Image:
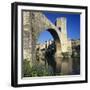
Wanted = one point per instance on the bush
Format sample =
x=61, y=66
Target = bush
x=26, y=69
x=36, y=70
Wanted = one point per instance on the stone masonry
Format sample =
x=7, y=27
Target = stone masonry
x=36, y=22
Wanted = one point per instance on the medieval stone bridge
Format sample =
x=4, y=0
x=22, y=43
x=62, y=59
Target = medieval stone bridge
x=36, y=22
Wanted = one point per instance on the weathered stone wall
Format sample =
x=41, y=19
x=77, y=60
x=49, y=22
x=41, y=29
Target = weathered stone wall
x=27, y=45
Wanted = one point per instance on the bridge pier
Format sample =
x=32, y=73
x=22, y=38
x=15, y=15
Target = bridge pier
x=58, y=56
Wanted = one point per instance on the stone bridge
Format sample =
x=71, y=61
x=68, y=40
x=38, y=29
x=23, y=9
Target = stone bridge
x=35, y=22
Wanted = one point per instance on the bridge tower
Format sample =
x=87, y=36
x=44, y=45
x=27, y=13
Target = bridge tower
x=61, y=24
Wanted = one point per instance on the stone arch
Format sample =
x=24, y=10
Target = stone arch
x=55, y=35
x=33, y=24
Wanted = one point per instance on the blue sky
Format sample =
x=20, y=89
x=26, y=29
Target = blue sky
x=73, y=25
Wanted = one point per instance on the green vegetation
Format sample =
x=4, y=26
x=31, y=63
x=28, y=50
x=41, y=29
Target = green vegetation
x=36, y=70
x=26, y=68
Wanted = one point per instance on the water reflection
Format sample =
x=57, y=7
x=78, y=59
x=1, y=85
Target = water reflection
x=66, y=66
x=70, y=66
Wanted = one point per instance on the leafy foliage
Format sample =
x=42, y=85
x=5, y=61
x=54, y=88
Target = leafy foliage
x=34, y=71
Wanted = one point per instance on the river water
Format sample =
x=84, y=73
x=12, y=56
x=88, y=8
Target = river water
x=67, y=66
x=70, y=66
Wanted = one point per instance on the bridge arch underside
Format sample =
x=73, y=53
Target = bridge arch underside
x=57, y=41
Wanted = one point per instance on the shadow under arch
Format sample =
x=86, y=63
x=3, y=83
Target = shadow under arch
x=54, y=34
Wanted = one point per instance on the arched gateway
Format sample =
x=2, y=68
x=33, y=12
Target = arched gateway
x=36, y=22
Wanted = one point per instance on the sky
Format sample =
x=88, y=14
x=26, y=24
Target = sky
x=73, y=25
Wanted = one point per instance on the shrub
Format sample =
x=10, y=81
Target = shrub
x=36, y=70
x=26, y=69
